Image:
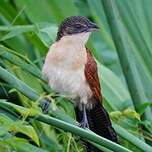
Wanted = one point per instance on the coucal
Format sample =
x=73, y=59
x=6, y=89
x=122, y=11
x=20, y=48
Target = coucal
x=70, y=69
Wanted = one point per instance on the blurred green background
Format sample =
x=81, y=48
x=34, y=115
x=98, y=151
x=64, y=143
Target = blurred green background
x=123, y=51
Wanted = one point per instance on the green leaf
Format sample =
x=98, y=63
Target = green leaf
x=47, y=33
x=131, y=138
x=18, y=84
x=3, y=130
x=19, y=144
x=15, y=31
x=61, y=11
x=148, y=125
x=25, y=129
x=113, y=90
x=14, y=58
x=18, y=126
x=40, y=13
x=143, y=107
x=131, y=113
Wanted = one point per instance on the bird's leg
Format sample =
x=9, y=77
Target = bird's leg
x=84, y=123
x=45, y=105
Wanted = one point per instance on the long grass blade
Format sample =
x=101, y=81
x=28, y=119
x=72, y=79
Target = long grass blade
x=86, y=134
x=124, y=52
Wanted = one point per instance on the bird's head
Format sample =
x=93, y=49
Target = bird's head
x=75, y=25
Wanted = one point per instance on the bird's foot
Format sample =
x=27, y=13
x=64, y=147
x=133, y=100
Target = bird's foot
x=84, y=124
x=45, y=105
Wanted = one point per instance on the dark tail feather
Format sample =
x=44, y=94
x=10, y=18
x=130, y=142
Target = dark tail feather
x=99, y=122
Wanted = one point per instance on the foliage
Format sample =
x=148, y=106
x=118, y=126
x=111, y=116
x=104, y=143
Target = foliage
x=122, y=50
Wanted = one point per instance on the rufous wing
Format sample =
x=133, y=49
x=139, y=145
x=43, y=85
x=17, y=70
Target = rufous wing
x=91, y=74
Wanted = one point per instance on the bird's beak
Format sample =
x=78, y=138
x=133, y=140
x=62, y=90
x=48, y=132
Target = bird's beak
x=93, y=27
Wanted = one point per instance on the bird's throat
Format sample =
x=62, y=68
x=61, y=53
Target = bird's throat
x=79, y=39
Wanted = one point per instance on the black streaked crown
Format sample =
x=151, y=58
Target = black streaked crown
x=74, y=25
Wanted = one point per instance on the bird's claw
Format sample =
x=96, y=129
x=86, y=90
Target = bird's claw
x=45, y=105
x=84, y=124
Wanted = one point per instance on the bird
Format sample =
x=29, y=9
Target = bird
x=71, y=69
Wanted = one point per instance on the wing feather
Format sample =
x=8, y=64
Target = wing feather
x=91, y=74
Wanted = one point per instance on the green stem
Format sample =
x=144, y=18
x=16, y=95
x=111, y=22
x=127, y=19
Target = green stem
x=84, y=133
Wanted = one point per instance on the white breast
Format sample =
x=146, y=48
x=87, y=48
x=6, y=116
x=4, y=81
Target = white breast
x=64, y=69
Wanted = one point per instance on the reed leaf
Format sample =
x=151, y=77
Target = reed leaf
x=127, y=61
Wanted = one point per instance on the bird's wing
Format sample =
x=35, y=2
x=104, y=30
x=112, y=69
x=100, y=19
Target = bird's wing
x=91, y=74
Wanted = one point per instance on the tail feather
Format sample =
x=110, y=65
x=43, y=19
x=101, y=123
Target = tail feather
x=102, y=123
x=99, y=122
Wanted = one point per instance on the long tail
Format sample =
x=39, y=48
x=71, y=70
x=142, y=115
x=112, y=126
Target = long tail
x=99, y=122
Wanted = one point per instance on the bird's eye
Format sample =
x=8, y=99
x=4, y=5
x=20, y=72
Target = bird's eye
x=70, y=29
